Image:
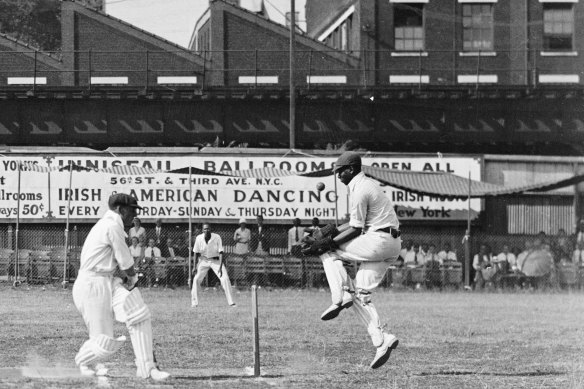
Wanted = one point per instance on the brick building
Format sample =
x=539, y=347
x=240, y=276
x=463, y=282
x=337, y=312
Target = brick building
x=422, y=76
x=447, y=42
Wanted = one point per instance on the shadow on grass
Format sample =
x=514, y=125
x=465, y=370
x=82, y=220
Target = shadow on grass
x=224, y=377
x=487, y=373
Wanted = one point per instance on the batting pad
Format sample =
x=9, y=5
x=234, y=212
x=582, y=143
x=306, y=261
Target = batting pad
x=98, y=348
x=367, y=312
x=140, y=327
x=135, y=309
x=141, y=336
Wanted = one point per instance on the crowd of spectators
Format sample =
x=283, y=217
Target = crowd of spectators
x=502, y=267
x=542, y=260
x=157, y=247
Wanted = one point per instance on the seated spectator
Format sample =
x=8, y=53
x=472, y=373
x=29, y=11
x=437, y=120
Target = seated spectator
x=169, y=250
x=578, y=254
x=431, y=255
x=410, y=254
x=152, y=251
x=562, y=248
x=136, y=250
x=138, y=231
x=432, y=264
x=421, y=255
x=521, y=257
x=447, y=254
x=482, y=265
x=181, y=248
x=505, y=261
x=174, y=269
x=151, y=254
x=241, y=237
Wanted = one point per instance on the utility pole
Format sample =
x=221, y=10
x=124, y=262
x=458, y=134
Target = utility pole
x=292, y=88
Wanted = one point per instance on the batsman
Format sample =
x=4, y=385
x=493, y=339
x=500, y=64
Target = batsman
x=371, y=238
x=100, y=296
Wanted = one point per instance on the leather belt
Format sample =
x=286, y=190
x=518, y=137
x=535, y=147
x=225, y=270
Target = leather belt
x=212, y=258
x=390, y=230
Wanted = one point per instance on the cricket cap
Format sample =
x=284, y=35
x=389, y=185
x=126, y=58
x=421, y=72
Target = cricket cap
x=122, y=199
x=348, y=158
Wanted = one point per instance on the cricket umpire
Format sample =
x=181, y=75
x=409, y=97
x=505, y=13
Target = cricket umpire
x=371, y=238
x=100, y=297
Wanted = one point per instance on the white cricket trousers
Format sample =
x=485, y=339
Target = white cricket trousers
x=101, y=298
x=94, y=297
x=374, y=251
x=202, y=270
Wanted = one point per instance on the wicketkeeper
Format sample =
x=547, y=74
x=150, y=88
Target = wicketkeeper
x=100, y=297
x=372, y=238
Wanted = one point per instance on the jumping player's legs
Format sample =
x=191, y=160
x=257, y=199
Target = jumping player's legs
x=202, y=271
x=375, y=252
x=337, y=277
x=225, y=282
x=367, y=279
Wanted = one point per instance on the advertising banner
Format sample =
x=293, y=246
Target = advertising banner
x=52, y=194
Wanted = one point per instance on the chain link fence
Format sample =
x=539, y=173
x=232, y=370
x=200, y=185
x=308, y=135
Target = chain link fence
x=42, y=258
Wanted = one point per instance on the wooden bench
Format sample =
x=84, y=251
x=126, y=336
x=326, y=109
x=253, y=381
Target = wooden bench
x=38, y=268
x=255, y=269
x=23, y=255
x=568, y=274
x=274, y=268
x=416, y=275
x=452, y=274
x=314, y=270
x=5, y=261
x=236, y=269
x=294, y=270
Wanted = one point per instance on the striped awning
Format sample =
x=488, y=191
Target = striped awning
x=424, y=183
x=432, y=183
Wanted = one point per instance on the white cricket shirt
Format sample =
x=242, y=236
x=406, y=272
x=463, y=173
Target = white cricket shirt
x=209, y=249
x=371, y=209
x=105, y=247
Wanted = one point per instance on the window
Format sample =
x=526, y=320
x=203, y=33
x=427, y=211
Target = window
x=340, y=37
x=408, y=22
x=558, y=26
x=477, y=27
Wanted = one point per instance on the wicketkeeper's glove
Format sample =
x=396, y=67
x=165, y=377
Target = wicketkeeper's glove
x=320, y=246
x=320, y=241
x=328, y=230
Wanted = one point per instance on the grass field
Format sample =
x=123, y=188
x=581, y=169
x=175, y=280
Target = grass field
x=447, y=340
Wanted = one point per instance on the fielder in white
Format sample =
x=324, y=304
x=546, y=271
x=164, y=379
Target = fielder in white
x=208, y=251
x=100, y=297
x=371, y=238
